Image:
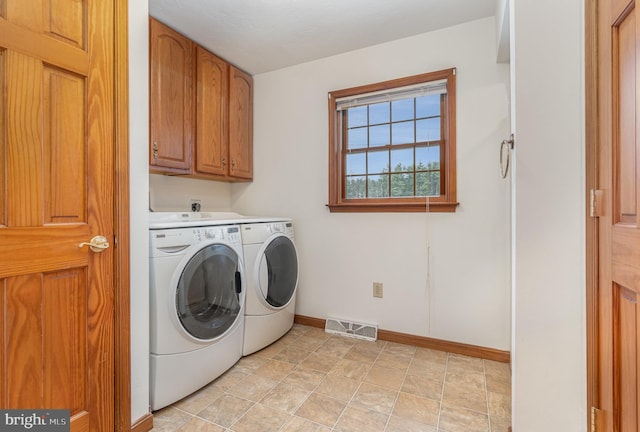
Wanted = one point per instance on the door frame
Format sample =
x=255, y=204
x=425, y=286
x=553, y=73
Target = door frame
x=121, y=276
x=592, y=148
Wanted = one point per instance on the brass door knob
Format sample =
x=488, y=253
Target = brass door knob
x=97, y=244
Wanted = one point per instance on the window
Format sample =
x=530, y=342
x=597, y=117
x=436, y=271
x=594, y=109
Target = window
x=392, y=145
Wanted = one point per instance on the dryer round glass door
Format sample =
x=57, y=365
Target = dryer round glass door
x=278, y=272
x=208, y=292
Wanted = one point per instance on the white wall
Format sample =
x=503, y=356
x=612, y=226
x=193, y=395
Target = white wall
x=549, y=371
x=468, y=299
x=173, y=193
x=139, y=192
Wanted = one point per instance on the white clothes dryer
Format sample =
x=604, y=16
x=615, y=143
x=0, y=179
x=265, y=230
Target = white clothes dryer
x=272, y=281
x=197, y=300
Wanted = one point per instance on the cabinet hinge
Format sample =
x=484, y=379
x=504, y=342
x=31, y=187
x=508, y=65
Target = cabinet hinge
x=595, y=202
x=594, y=418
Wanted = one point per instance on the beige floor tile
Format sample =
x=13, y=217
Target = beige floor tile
x=307, y=379
x=399, y=350
x=497, y=369
x=337, y=387
x=499, y=424
x=309, y=343
x=320, y=362
x=253, y=387
x=498, y=385
x=386, y=377
x=260, y=418
x=321, y=409
x=400, y=424
x=375, y=398
x=351, y=369
x=225, y=410
x=335, y=346
x=454, y=419
x=431, y=355
x=169, y=419
x=362, y=355
x=229, y=379
x=418, y=409
x=457, y=362
x=358, y=420
x=199, y=400
x=292, y=355
x=199, y=425
x=297, y=424
x=422, y=387
x=499, y=406
x=427, y=369
x=249, y=364
x=275, y=369
x=465, y=398
x=467, y=380
x=285, y=397
x=272, y=350
x=390, y=360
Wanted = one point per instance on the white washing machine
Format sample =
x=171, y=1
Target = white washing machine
x=197, y=300
x=272, y=280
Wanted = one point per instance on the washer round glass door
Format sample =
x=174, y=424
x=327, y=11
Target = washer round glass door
x=208, y=299
x=278, y=272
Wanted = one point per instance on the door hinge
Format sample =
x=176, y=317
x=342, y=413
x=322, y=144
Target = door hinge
x=594, y=418
x=595, y=202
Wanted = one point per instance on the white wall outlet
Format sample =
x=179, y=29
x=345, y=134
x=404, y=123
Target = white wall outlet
x=377, y=289
x=195, y=204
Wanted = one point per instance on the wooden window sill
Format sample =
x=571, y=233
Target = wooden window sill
x=401, y=207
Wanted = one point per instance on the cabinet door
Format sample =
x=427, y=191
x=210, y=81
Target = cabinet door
x=171, y=100
x=240, y=124
x=211, y=113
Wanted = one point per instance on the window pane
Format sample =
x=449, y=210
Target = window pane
x=402, y=109
x=356, y=163
x=379, y=135
x=357, y=138
x=402, y=133
x=356, y=187
x=401, y=185
x=379, y=113
x=428, y=106
x=428, y=157
x=378, y=186
x=357, y=116
x=402, y=160
x=428, y=129
x=378, y=162
x=428, y=183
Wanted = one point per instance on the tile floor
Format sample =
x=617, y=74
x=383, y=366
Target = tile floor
x=310, y=381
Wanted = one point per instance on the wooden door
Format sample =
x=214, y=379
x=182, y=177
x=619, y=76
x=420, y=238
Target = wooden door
x=617, y=309
x=240, y=124
x=171, y=100
x=56, y=191
x=212, y=85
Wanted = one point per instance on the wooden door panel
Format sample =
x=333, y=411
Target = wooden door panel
x=626, y=352
x=66, y=20
x=240, y=124
x=212, y=75
x=3, y=143
x=24, y=141
x=65, y=167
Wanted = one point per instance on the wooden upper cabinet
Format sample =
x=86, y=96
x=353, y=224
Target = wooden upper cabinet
x=240, y=124
x=171, y=100
x=212, y=89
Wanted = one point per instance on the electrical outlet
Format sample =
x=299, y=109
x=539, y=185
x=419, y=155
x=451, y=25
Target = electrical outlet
x=195, y=204
x=377, y=289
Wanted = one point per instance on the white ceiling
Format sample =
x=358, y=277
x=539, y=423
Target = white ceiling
x=264, y=35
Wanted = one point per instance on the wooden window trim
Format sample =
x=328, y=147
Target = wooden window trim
x=446, y=202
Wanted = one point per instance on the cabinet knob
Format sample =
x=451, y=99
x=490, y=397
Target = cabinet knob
x=224, y=161
x=233, y=164
x=155, y=150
